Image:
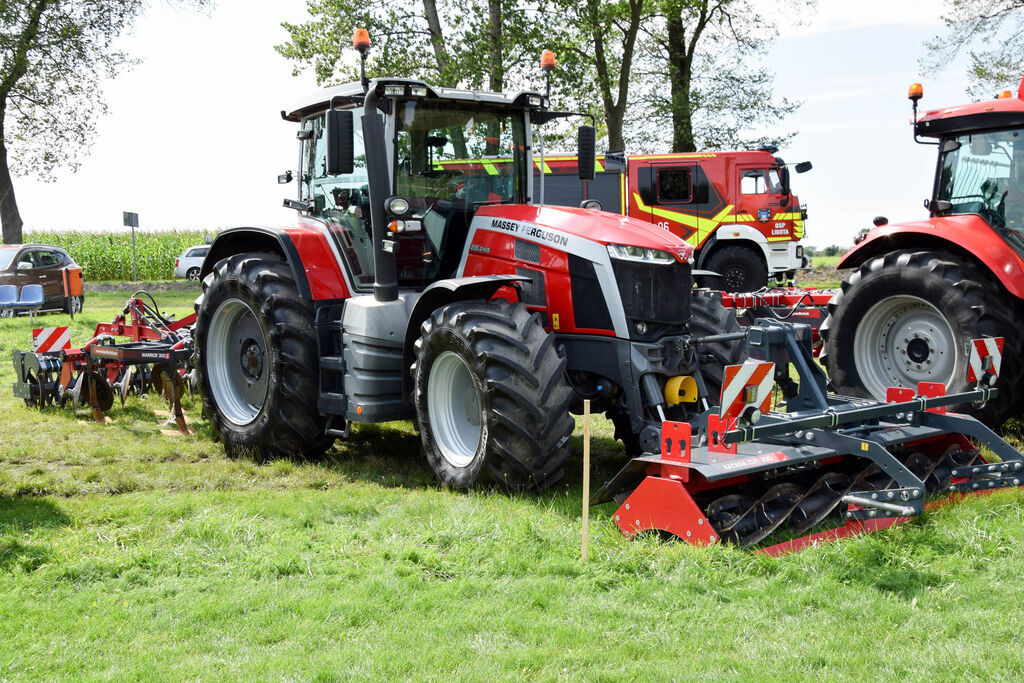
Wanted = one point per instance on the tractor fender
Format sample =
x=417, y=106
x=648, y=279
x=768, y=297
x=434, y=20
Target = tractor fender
x=244, y=239
x=967, y=236
x=441, y=294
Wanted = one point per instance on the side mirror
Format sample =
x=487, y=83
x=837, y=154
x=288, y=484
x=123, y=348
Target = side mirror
x=340, y=151
x=586, y=152
x=24, y=265
x=803, y=167
x=784, y=179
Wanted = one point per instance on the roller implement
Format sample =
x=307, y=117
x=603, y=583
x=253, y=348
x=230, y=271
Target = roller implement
x=743, y=472
x=141, y=350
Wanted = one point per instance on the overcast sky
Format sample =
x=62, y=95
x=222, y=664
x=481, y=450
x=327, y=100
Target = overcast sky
x=194, y=137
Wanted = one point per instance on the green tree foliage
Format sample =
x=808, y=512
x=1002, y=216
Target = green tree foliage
x=469, y=43
x=56, y=54
x=992, y=34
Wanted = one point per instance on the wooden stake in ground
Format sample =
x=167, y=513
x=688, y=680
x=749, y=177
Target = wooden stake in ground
x=586, y=479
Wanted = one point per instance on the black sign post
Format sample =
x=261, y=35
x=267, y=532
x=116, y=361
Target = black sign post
x=131, y=220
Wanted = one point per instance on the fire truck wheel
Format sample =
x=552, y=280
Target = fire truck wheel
x=711, y=317
x=909, y=316
x=492, y=402
x=257, y=360
x=741, y=269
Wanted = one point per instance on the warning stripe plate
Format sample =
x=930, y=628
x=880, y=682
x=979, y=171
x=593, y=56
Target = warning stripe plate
x=739, y=377
x=991, y=348
x=46, y=339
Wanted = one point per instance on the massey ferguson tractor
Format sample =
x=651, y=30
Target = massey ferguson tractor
x=409, y=290
x=920, y=292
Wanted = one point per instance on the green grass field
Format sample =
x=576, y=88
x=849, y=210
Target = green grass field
x=127, y=554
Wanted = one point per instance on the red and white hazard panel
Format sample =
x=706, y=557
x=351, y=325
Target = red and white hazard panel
x=986, y=358
x=745, y=385
x=50, y=339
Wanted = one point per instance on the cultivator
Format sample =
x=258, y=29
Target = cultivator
x=747, y=471
x=156, y=355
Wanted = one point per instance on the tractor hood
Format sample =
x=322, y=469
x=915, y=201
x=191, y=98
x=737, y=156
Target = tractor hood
x=597, y=226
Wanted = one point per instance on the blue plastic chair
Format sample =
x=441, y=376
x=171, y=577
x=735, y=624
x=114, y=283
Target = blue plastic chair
x=31, y=299
x=8, y=296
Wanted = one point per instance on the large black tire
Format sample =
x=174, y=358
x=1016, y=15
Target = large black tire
x=711, y=317
x=492, y=401
x=939, y=303
x=260, y=394
x=741, y=269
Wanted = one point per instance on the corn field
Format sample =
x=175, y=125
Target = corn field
x=108, y=255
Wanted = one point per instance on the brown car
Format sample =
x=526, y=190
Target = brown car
x=51, y=267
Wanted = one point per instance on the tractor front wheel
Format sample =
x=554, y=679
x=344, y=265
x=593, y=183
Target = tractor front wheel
x=908, y=317
x=492, y=402
x=257, y=360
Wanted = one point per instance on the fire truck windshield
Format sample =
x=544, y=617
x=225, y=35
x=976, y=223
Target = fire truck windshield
x=983, y=174
x=468, y=154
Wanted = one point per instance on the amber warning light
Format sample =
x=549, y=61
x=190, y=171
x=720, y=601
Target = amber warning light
x=547, y=60
x=915, y=92
x=361, y=39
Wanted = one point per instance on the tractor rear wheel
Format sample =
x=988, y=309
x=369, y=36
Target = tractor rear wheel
x=491, y=397
x=741, y=269
x=711, y=317
x=909, y=316
x=257, y=360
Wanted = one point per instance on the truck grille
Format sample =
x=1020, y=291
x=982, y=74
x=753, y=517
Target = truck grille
x=658, y=295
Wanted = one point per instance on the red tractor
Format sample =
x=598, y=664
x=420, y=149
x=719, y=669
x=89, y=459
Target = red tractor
x=920, y=292
x=409, y=289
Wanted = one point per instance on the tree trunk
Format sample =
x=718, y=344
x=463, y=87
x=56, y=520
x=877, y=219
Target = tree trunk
x=679, y=75
x=615, y=109
x=9, y=214
x=437, y=41
x=496, y=68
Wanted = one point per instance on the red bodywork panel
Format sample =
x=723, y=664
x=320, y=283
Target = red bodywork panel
x=318, y=260
x=492, y=251
x=957, y=233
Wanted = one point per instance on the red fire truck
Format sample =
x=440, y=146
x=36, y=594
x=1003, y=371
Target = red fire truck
x=735, y=208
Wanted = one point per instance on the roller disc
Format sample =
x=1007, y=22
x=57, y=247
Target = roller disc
x=104, y=395
x=774, y=507
x=820, y=500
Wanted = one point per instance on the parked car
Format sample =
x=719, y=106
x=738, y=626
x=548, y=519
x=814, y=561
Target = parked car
x=190, y=262
x=51, y=267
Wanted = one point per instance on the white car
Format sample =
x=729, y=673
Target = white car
x=190, y=262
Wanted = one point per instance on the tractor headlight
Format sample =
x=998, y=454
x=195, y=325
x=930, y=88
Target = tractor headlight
x=625, y=252
x=592, y=204
x=397, y=206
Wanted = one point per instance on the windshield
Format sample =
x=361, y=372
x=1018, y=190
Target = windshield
x=5, y=257
x=983, y=174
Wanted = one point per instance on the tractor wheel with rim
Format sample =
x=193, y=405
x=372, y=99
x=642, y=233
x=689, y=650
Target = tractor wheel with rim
x=909, y=316
x=192, y=274
x=741, y=269
x=73, y=305
x=492, y=401
x=711, y=317
x=257, y=360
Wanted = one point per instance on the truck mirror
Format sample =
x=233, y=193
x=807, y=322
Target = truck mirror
x=585, y=154
x=784, y=180
x=803, y=167
x=340, y=154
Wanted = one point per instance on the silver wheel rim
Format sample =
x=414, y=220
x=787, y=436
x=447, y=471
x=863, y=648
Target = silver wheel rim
x=455, y=409
x=193, y=274
x=76, y=304
x=901, y=341
x=236, y=362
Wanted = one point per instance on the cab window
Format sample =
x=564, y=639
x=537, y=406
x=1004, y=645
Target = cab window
x=45, y=259
x=675, y=185
x=754, y=181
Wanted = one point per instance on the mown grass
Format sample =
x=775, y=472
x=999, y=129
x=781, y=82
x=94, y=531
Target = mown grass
x=127, y=554
x=108, y=255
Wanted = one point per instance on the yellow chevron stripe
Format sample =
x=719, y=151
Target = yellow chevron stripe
x=703, y=227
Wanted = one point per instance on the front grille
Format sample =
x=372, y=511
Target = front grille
x=533, y=291
x=657, y=294
x=527, y=251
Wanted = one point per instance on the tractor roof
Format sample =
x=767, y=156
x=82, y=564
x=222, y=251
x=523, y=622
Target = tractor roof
x=353, y=92
x=965, y=118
